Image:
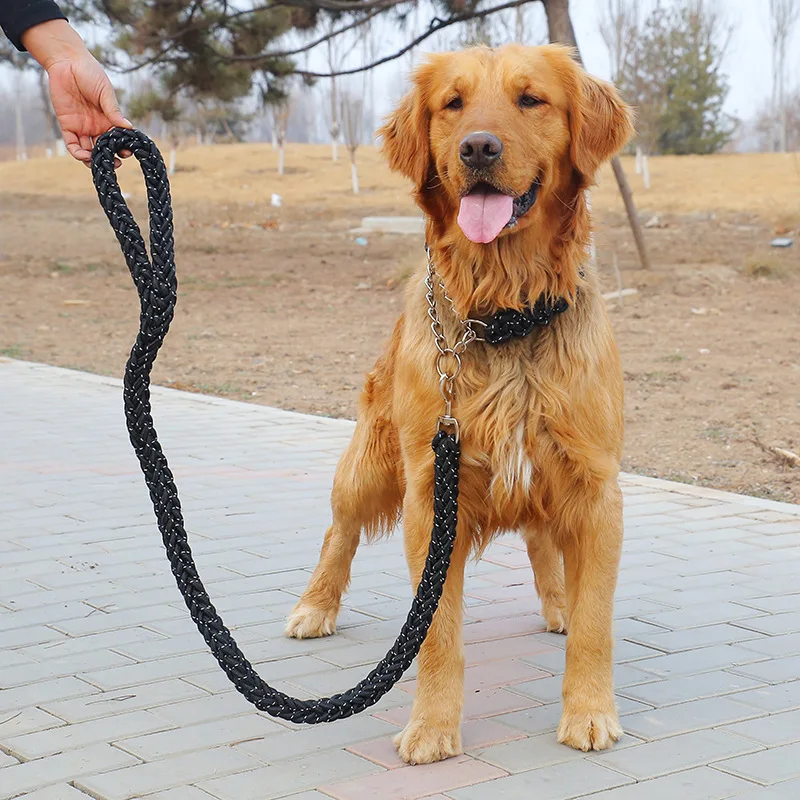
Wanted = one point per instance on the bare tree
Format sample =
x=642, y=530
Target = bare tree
x=335, y=60
x=559, y=28
x=352, y=126
x=783, y=18
x=22, y=150
x=619, y=27
x=281, y=122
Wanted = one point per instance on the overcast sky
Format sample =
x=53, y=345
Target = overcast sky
x=747, y=61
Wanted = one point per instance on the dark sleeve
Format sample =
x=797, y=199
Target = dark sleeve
x=16, y=16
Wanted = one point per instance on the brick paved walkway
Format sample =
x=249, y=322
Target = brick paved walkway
x=106, y=690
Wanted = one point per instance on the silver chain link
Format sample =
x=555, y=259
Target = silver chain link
x=448, y=359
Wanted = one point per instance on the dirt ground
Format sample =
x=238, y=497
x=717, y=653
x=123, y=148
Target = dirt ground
x=282, y=306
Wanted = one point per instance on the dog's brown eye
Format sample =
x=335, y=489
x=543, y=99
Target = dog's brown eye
x=455, y=104
x=529, y=101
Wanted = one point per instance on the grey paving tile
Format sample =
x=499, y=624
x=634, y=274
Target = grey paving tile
x=771, y=731
x=543, y=719
x=60, y=791
x=694, y=638
x=180, y=793
x=686, y=688
x=783, y=697
x=43, y=693
x=678, y=753
x=776, y=670
x=696, y=715
x=151, y=746
x=61, y=768
x=707, y=579
x=105, y=704
x=70, y=737
x=775, y=646
x=696, y=661
x=296, y=743
x=702, y=783
x=523, y=755
x=786, y=790
x=142, y=779
x=290, y=777
x=25, y=721
x=771, y=624
x=555, y=782
x=712, y=613
x=767, y=766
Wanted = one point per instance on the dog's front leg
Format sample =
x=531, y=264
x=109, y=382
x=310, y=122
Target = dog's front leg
x=434, y=731
x=592, y=545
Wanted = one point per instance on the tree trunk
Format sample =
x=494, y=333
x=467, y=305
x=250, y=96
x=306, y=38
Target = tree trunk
x=559, y=24
x=49, y=112
x=630, y=207
x=281, y=157
x=22, y=150
x=559, y=29
x=354, y=175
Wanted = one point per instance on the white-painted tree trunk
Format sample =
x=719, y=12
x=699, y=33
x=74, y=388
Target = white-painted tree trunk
x=173, y=156
x=354, y=176
x=281, y=159
x=334, y=149
x=61, y=148
x=638, y=160
x=646, y=171
x=22, y=150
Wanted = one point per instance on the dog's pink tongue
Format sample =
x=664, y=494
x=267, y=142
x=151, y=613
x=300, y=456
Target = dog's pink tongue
x=484, y=214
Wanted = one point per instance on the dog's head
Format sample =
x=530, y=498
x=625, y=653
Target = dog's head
x=487, y=135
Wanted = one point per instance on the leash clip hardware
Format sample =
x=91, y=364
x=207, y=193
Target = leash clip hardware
x=445, y=420
x=470, y=323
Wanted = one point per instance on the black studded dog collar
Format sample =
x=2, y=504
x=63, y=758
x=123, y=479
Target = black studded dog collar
x=511, y=324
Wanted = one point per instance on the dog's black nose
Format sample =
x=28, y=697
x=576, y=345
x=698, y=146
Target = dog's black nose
x=480, y=149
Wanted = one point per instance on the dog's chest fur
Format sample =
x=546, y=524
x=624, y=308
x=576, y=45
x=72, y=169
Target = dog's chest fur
x=504, y=426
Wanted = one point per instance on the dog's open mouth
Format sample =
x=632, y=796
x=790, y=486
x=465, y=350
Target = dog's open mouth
x=485, y=211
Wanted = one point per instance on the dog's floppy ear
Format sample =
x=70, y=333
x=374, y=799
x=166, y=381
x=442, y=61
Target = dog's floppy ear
x=600, y=125
x=405, y=135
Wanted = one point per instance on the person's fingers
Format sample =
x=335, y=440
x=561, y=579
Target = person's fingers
x=86, y=143
x=110, y=107
x=79, y=152
x=125, y=154
x=117, y=163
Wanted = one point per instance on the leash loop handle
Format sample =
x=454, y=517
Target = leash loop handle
x=155, y=279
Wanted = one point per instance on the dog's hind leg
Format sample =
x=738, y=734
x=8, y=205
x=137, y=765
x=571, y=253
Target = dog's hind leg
x=367, y=495
x=548, y=575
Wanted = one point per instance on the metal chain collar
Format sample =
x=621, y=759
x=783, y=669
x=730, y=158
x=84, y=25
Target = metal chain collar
x=448, y=359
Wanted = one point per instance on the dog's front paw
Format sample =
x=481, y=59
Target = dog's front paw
x=422, y=742
x=307, y=622
x=589, y=730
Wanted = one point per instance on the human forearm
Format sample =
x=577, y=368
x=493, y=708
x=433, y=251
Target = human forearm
x=53, y=41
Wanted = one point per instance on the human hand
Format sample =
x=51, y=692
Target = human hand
x=82, y=94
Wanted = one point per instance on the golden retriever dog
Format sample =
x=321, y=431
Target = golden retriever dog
x=500, y=145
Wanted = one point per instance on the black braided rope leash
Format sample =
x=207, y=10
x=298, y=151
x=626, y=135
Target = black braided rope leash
x=156, y=284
